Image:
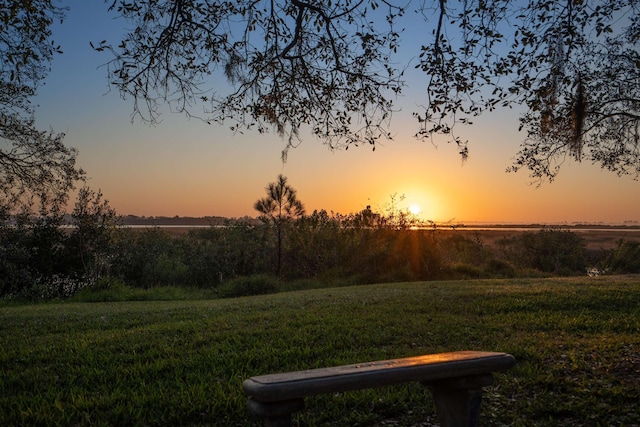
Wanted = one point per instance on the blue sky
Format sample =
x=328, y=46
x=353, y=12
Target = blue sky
x=185, y=167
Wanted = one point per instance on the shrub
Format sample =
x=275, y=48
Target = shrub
x=213, y=255
x=499, y=268
x=148, y=258
x=107, y=282
x=165, y=270
x=550, y=250
x=258, y=284
x=106, y=289
x=466, y=271
x=625, y=258
x=459, y=248
x=52, y=287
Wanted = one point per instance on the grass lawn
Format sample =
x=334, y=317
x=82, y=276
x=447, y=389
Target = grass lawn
x=576, y=341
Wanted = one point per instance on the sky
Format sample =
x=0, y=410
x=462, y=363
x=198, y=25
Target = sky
x=185, y=167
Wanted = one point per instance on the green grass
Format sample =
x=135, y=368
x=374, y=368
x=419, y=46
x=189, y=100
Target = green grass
x=577, y=343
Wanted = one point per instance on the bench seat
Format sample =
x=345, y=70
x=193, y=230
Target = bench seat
x=455, y=378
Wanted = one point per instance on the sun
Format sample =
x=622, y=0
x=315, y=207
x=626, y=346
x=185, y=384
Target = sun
x=414, y=209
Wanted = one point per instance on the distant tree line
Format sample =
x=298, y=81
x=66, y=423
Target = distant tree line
x=181, y=221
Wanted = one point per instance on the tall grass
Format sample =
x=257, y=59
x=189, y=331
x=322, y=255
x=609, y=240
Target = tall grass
x=182, y=362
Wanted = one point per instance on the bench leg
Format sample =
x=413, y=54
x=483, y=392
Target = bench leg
x=275, y=414
x=458, y=400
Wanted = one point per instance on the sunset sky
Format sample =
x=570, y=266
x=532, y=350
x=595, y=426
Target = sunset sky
x=187, y=168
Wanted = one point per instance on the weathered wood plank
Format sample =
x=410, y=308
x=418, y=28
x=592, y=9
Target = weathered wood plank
x=292, y=385
x=456, y=380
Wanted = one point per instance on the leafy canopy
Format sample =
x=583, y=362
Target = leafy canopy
x=281, y=202
x=333, y=66
x=33, y=163
x=337, y=67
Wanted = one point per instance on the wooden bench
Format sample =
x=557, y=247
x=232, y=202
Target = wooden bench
x=455, y=379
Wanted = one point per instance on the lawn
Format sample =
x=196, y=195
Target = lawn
x=576, y=341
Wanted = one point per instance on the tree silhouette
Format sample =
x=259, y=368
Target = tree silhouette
x=574, y=65
x=278, y=208
x=33, y=163
x=95, y=223
x=336, y=68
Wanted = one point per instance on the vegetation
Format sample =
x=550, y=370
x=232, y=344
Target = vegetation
x=336, y=68
x=625, y=258
x=32, y=162
x=182, y=362
x=140, y=327
x=54, y=255
x=280, y=206
x=41, y=258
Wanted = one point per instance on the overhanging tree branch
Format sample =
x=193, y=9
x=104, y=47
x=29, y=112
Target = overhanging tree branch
x=329, y=66
x=33, y=163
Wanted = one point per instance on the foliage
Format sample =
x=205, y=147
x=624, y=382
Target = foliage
x=625, y=258
x=466, y=250
x=109, y=289
x=33, y=257
x=249, y=285
x=581, y=85
x=316, y=244
x=204, y=258
x=147, y=258
x=279, y=208
x=33, y=163
x=552, y=250
x=217, y=254
x=338, y=66
x=41, y=260
x=499, y=268
x=25, y=46
x=366, y=246
x=281, y=203
x=43, y=256
x=95, y=224
x=15, y=273
x=288, y=64
x=183, y=362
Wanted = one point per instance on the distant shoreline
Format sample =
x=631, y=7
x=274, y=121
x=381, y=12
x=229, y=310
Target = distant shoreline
x=164, y=222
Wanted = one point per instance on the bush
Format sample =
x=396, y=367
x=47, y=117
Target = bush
x=499, y=268
x=106, y=289
x=148, y=258
x=459, y=248
x=550, y=250
x=213, y=255
x=625, y=258
x=114, y=290
x=466, y=271
x=249, y=285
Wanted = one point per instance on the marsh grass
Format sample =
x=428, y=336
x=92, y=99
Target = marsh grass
x=576, y=341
